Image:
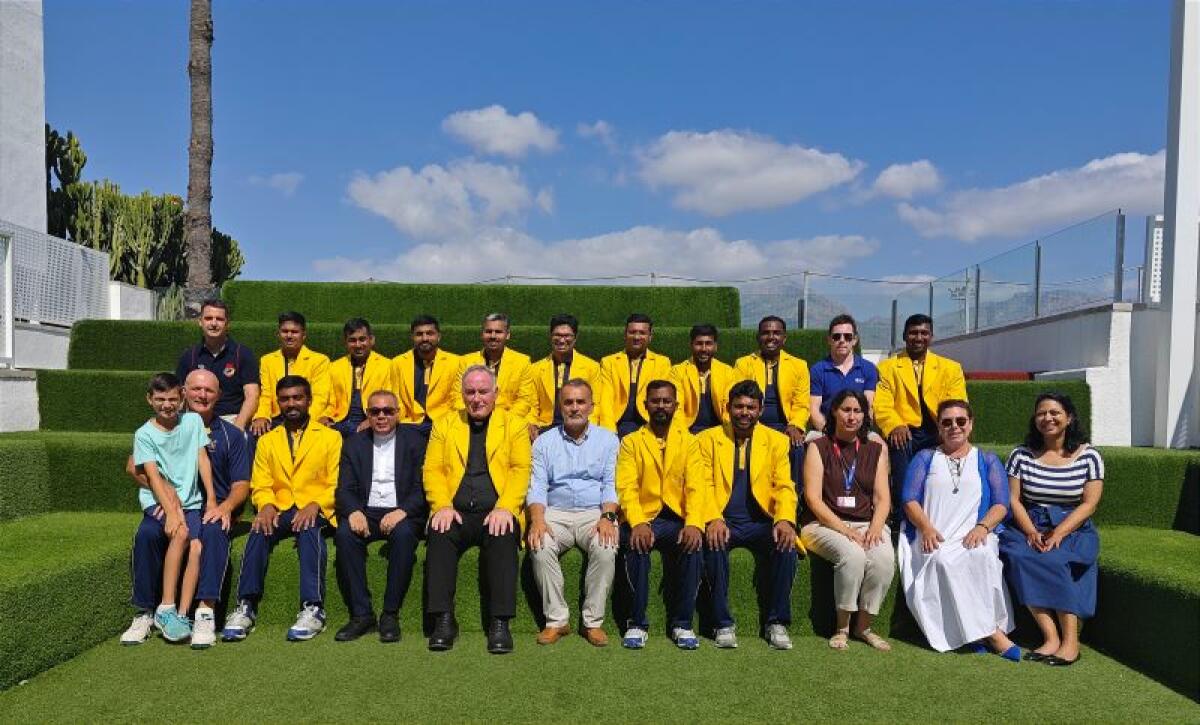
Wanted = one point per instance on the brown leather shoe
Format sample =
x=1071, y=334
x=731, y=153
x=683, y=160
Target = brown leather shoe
x=550, y=635
x=596, y=636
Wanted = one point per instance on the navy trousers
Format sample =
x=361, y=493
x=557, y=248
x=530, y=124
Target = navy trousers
x=758, y=537
x=310, y=546
x=149, y=551
x=900, y=456
x=348, y=426
x=681, y=573
x=352, y=561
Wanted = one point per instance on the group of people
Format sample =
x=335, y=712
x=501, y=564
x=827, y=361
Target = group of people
x=618, y=458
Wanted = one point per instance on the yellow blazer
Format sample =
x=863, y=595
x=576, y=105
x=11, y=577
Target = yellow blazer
x=896, y=401
x=441, y=393
x=515, y=381
x=310, y=364
x=770, y=471
x=613, y=396
x=311, y=477
x=509, y=455
x=645, y=482
x=686, y=377
x=541, y=409
x=793, y=383
x=377, y=375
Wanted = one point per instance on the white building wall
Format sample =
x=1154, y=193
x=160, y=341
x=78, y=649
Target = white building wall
x=41, y=347
x=126, y=302
x=18, y=401
x=22, y=115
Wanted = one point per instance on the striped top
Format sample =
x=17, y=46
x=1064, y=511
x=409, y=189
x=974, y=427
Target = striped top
x=1054, y=485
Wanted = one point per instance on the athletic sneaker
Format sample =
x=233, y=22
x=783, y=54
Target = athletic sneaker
x=240, y=623
x=139, y=629
x=309, y=623
x=726, y=637
x=635, y=638
x=174, y=627
x=685, y=638
x=777, y=637
x=204, y=631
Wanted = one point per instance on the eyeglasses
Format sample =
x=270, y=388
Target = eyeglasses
x=948, y=423
x=840, y=336
x=380, y=411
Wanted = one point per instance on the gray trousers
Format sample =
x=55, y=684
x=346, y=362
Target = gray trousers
x=569, y=529
x=860, y=577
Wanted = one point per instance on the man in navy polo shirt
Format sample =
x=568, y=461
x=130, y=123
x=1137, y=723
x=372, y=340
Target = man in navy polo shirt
x=840, y=370
x=234, y=365
x=229, y=456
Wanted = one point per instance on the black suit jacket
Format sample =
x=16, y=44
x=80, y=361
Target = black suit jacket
x=358, y=460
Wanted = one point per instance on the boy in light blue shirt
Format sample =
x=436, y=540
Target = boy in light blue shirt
x=170, y=448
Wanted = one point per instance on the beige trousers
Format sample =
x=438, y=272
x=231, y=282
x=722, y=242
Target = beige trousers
x=860, y=577
x=570, y=529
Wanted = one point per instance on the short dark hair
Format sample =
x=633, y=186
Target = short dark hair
x=918, y=319
x=704, y=329
x=293, y=381
x=579, y=383
x=564, y=319
x=956, y=403
x=843, y=320
x=217, y=303
x=293, y=316
x=637, y=317
x=746, y=389
x=162, y=383
x=772, y=318
x=1075, y=434
x=864, y=430
x=659, y=384
x=421, y=320
x=354, y=324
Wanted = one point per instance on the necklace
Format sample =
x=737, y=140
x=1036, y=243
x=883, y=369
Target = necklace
x=956, y=470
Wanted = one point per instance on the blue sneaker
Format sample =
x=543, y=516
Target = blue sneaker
x=174, y=627
x=685, y=638
x=635, y=638
x=309, y=623
x=240, y=623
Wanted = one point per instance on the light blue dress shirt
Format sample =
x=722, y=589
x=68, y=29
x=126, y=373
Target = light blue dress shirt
x=574, y=475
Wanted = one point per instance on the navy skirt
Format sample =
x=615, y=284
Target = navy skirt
x=1063, y=579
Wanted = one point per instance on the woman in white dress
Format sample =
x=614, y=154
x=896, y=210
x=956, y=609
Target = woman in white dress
x=954, y=498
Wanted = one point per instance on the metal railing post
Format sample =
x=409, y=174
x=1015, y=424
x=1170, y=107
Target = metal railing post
x=1037, y=279
x=802, y=317
x=1119, y=260
x=895, y=322
x=931, y=300
x=978, y=279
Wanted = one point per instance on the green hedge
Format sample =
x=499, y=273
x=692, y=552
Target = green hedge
x=64, y=472
x=24, y=479
x=129, y=345
x=1002, y=409
x=466, y=304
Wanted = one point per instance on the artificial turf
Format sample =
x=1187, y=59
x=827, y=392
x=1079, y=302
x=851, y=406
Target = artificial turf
x=266, y=679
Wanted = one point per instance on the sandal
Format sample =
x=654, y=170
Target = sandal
x=840, y=639
x=874, y=640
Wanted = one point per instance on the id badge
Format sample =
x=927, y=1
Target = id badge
x=845, y=502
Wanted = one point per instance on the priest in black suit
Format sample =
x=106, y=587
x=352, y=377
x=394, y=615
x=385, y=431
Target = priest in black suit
x=379, y=496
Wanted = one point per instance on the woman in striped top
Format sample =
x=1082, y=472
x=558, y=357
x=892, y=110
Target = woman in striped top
x=1050, y=551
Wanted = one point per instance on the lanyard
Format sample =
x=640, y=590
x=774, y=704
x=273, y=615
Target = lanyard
x=847, y=473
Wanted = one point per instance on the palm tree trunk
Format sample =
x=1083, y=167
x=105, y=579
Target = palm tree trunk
x=198, y=219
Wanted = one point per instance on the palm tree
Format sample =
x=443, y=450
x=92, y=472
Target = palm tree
x=198, y=220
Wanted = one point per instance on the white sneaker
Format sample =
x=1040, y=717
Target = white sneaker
x=204, y=629
x=309, y=623
x=635, y=638
x=726, y=637
x=777, y=637
x=240, y=623
x=139, y=629
x=685, y=638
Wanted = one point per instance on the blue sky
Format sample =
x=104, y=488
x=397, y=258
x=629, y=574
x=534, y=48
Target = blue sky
x=461, y=141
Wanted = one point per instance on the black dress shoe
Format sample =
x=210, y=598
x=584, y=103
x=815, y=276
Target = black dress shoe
x=355, y=628
x=1055, y=661
x=389, y=627
x=499, y=639
x=445, y=630
x=1035, y=656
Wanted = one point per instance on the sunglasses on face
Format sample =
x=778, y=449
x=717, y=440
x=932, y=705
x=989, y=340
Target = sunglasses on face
x=840, y=336
x=948, y=423
x=381, y=411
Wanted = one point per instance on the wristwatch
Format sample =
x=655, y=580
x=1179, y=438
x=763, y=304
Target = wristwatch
x=610, y=516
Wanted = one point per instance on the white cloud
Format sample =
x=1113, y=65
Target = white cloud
x=601, y=130
x=722, y=172
x=545, y=200
x=493, y=130
x=1132, y=181
x=904, y=181
x=286, y=182
x=442, y=201
x=700, y=254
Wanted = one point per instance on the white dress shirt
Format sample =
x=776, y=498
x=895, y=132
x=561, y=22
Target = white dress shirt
x=383, y=473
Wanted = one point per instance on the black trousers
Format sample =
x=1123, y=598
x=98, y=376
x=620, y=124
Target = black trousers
x=497, y=558
x=352, y=561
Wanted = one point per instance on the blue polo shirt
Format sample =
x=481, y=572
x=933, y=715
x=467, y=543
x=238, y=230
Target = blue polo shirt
x=229, y=454
x=234, y=365
x=827, y=381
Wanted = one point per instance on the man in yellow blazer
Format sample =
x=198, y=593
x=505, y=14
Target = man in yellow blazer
x=911, y=386
x=354, y=377
x=293, y=485
x=660, y=491
x=476, y=476
x=621, y=406
x=292, y=358
x=752, y=504
x=512, y=368
x=426, y=376
x=703, y=383
x=551, y=372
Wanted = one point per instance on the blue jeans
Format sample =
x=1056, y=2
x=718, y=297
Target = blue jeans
x=681, y=573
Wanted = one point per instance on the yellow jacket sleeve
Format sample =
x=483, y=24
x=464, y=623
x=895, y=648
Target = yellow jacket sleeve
x=526, y=395
x=269, y=372
x=702, y=451
x=333, y=463
x=438, y=489
x=695, y=491
x=886, y=415
x=783, y=489
x=956, y=382
x=629, y=482
x=262, y=480
x=798, y=406
x=319, y=380
x=520, y=461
